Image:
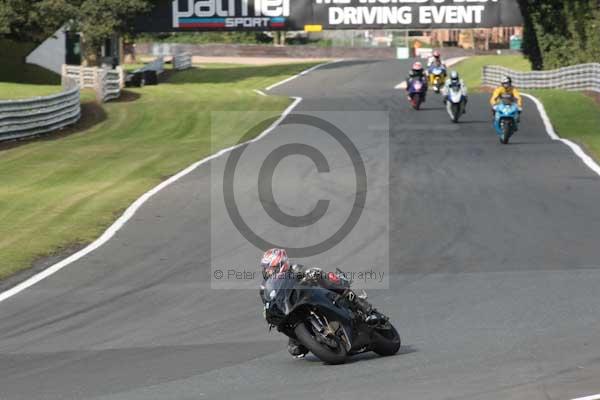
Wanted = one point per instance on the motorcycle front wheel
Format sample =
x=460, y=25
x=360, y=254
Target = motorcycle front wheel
x=455, y=112
x=416, y=101
x=506, y=133
x=308, y=336
x=386, y=340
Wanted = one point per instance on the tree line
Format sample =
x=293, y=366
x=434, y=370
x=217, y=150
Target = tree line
x=557, y=32
x=560, y=33
x=35, y=20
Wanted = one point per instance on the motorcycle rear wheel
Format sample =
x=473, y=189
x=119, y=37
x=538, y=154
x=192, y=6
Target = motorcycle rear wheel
x=387, y=341
x=325, y=353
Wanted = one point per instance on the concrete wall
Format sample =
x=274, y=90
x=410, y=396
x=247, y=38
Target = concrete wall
x=270, y=51
x=51, y=53
x=234, y=50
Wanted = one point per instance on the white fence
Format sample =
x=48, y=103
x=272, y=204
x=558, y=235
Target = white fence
x=24, y=118
x=578, y=77
x=182, y=61
x=106, y=82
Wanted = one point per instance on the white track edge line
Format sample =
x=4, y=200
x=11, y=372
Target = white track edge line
x=592, y=397
x=259, y=92
x=587, y=160
x=136, y=205
x=308, y=71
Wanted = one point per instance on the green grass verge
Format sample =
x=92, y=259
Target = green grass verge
x=471, y=69
x=574, y=115
x=58, y=193
x=14, y=91
x=20, y=80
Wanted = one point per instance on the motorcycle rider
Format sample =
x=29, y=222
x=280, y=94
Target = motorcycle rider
x=276, y=261
x=436, y=60
x=417, y=72
x=455, y=82
x=506, y=88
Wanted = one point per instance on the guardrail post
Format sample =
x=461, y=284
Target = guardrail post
x=98, y=84
x=121, y=77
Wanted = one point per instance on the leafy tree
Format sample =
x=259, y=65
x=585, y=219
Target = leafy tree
x=97, y=20
x=561, y=32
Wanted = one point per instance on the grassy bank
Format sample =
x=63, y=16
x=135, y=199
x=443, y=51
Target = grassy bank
x=470, y=69
x=58, y=193
x=19, y=80
x=574, y=115
x=13, y=91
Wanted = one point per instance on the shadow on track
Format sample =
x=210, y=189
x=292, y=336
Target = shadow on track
x=368, y=356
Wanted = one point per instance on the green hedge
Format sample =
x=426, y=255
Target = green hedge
x=559, y=33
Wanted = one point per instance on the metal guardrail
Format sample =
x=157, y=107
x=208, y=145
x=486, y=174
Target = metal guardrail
x=106, y=82
x=109, y=84
x=29, y=117
x=182, y=61
x=578, y=77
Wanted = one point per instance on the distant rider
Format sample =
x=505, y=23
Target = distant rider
x=435, y=60
x=417, y=72
x=506, y=88
x=276, y=261
x=455, y=82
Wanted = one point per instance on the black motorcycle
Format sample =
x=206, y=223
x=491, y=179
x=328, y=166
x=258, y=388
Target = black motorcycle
x=323, y=320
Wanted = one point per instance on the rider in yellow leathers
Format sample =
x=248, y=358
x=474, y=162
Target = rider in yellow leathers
x=506, y=88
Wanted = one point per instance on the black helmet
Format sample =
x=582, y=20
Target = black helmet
x=507, y=81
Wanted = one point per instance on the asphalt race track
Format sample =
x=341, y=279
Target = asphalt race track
x=494, y=272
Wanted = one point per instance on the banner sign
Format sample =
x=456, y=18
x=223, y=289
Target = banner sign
x=294, y=15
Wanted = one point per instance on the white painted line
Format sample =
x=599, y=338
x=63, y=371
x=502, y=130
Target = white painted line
x=453, y=61
x=587, y=160
x=260, y=92
x=593, y=397
x=133, y=208
x=449, y=63
x=308, y=71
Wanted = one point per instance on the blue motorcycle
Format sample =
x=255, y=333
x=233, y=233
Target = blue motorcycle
x=417, y=90
x=506, y=120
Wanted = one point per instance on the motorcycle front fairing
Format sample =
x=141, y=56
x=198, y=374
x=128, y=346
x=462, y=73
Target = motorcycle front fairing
x=455, y=95
x=417, y=86
x=437, y=70
x=505, y=112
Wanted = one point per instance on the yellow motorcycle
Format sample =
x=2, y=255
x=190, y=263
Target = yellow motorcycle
x=437, y=77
